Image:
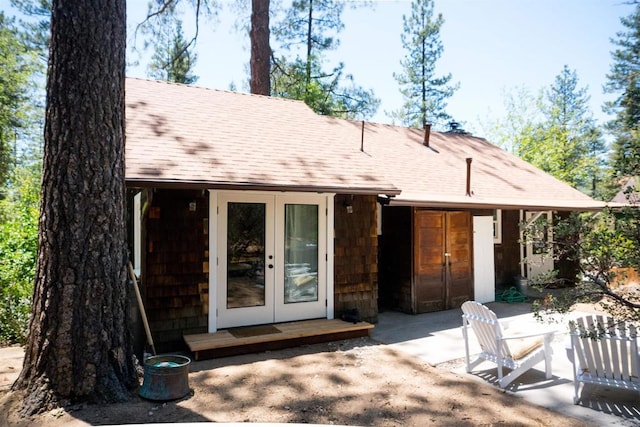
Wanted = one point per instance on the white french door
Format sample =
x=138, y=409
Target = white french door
x=271, y=255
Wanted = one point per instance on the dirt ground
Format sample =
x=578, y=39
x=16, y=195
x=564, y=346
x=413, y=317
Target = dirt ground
x=355, y=382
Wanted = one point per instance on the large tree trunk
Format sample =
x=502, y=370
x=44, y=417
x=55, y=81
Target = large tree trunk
x=260, y=49
x=79, y=347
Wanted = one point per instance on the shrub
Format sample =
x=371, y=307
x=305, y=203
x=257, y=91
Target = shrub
x=18, y=252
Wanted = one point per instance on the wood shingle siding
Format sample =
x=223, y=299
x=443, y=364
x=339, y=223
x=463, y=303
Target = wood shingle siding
x=175, y=277
x=356, y=257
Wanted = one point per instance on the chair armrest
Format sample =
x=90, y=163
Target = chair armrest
x=551, y=333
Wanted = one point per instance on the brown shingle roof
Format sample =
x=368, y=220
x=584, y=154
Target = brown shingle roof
x=184, y=136
x=437, y=175
x=189, y=136
x=627, y=195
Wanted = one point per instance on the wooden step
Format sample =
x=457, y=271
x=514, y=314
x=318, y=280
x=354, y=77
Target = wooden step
x=224, y=343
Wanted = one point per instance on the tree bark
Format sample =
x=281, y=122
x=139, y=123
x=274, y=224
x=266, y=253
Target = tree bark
x=260, y=49
x=79, y=346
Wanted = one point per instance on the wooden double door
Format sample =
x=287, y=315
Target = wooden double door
x=443, y=264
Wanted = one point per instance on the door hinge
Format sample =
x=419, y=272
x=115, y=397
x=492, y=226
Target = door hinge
x=326, y=303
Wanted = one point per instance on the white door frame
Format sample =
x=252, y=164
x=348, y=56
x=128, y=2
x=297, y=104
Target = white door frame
x=325, y=246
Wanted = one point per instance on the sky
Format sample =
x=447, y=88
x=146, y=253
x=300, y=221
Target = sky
x=490, y=47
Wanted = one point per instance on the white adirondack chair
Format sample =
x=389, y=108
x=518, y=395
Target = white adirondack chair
x=604, y=352
x=517, y=352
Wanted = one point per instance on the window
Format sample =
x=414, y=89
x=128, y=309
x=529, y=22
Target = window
x=497, y=226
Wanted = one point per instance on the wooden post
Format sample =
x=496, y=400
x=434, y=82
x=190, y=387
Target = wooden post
x=141, y=306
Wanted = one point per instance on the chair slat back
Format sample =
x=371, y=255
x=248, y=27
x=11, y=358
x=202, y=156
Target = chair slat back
x=486, y=327
x=606, y=348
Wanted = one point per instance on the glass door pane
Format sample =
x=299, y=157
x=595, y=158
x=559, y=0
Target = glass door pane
x=245, y=254
x=300, y=253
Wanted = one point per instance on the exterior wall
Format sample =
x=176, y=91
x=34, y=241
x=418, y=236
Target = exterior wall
x=507, y=253
x=175, y=273
x=356, y=257
x=414, y=244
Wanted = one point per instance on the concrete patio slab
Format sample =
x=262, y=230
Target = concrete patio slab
x=436, y=338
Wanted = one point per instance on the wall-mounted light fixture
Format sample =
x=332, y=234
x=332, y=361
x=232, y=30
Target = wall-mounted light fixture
x=383, y=199
x=348, y=204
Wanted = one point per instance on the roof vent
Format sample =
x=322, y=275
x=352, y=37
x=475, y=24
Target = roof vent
x=455, y=127
x=469, y=192
x=427, y=134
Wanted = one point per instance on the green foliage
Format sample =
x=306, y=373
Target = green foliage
x=555, y=131
x=173, y=60
x=605, y=248
x=312, y=25
x=18, y=252
x=325, y=92
x=514, y=132
x=22, y=48
x=425, y=94
x=568, y=144
x=162, y=31
x=16, y=69
x=623, y=80
x=309, y=29
x=36, y=35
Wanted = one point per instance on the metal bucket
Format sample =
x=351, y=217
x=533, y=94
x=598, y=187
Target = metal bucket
x=165, y=377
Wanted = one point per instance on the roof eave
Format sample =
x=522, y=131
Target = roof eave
x=199, y=185
x=524, y=205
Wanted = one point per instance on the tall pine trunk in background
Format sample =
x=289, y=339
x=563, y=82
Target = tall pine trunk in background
x=79, y=346
x=260, y=49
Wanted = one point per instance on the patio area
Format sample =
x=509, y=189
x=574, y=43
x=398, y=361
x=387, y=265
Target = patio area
x=437, y=339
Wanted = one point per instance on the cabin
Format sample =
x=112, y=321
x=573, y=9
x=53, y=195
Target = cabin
x=454, y=232
x=239, y=212
x=247, y=210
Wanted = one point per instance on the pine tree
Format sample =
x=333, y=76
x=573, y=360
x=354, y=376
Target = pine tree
x=425, y=94
x=308, y=31
x=554, y=130
x=568, y=144
x=173, y=60
x=79, y=344
x=325, y=93
x=37, y=28
x=309, y=24
x=260, y=82
x=624, y=81
x=17, y=67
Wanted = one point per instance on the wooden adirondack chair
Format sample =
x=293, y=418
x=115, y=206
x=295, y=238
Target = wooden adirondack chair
x=517, y=352
x=604, y=352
